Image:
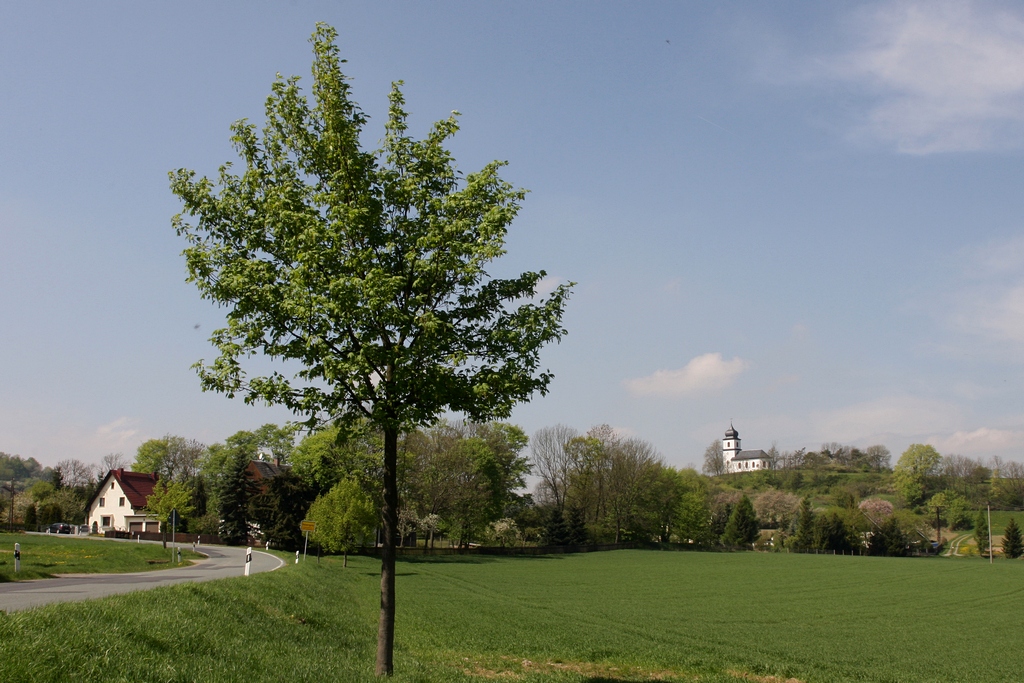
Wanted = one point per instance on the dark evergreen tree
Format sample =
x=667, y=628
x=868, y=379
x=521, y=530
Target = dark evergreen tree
x=200, y=499
x=831, y=533
x=236, y=490
x=742, y=528
x=803, y=539
x=576, y=526
x=888, y=539
x=50, y=514
x=556, y=531
x=280, y=510
x=720, y=514
x=1012, y=544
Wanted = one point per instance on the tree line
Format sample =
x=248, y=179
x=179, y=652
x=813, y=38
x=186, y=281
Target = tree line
x=464, y=483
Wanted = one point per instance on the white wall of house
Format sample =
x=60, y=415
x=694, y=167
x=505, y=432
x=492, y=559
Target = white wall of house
x=111, y=509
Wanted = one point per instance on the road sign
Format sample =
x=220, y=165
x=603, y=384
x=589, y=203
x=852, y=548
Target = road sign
x=306, y=525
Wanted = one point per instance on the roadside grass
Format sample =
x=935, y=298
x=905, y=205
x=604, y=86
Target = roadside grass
x=43, y=557
x=596, y=618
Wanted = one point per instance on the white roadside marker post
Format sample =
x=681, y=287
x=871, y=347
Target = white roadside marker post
x=17, y=558
x=296, y=557
x=248, y=560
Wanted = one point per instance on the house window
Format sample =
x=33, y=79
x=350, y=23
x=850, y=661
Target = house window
x=105, y=521
x=103, y=501
x=120, y=503
x=111, y=486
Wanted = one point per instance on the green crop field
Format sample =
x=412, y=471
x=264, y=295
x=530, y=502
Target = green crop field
x=601, y=617
x=45, y=556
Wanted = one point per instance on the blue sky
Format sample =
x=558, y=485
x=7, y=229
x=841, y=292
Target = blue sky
x=804, y=217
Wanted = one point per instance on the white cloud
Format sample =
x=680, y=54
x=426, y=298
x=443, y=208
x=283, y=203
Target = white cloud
x=943, y=76
x=990, y=303
x=898, y=421
x=884, y=418
x=981, y=441
x=709, y=372
x=114, y=435
x=624, y=432
x=53, y=437
x=548, y=285
x=1000, y=316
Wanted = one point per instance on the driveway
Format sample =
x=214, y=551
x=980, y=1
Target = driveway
x=223, y=562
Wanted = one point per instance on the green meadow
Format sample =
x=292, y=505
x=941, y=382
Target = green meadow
x=43, y=557
x=600, y=617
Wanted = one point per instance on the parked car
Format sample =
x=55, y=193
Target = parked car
x=60, y=528
x=83, y=529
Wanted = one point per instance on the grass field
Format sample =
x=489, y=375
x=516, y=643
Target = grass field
x=45, y=556
x=601, y=617
x=1001, y=517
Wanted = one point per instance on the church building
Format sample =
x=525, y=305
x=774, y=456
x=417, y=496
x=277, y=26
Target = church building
x=738, y=460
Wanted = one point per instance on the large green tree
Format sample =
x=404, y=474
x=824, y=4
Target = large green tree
x=693, y=519
x=742, y=528
x=280, y=509
x=167, y=497
x=365, y=272
x=344, y=516
x=888, y=539
x=803, y=539
x=912, y=473
x=234, y=491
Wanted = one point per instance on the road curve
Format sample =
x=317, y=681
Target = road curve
x=223, y=562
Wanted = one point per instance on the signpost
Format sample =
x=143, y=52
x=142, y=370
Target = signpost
x=174, y=528
x=306, y=526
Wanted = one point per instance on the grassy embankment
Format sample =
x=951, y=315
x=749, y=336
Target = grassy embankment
x=42, y=557
x=622, y=616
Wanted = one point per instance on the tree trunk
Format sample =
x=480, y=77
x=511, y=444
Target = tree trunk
x=344, y=563
x=389, y=525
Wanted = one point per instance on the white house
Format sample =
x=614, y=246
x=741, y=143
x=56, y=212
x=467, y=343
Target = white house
x=120, y=501
x=737, y=460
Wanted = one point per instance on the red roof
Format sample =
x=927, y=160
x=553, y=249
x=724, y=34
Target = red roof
x=138, y=486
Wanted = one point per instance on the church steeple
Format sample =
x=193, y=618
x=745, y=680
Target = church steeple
x=730, y=446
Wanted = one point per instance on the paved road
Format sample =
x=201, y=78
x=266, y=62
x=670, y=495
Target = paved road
x=223, y=562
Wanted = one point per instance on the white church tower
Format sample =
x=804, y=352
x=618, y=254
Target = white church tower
x=730, y=447
x=739, y=460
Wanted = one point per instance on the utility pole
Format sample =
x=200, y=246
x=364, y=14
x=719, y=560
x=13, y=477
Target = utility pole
x=10, y=519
